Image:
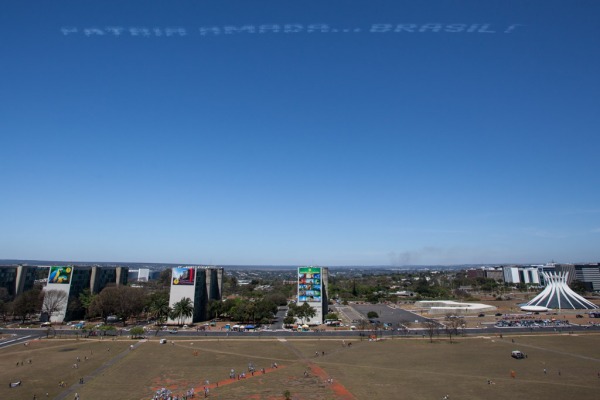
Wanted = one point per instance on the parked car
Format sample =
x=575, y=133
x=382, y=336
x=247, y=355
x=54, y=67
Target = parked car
x=517, y=354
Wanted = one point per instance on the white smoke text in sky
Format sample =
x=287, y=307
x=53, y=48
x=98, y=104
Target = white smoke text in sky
x=227, y=30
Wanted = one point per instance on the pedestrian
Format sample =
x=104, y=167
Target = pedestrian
x=545, y=371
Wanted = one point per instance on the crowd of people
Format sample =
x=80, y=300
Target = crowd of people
x=166, y=394
x=532, y=323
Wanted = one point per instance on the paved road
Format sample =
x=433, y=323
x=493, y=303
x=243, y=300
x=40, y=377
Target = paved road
x=348, y=314
x=289, y=334
x=388, y=314
x=278, y=324
x=18, y=338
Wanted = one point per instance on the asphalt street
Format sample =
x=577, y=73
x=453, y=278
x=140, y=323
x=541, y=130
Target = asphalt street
x=17, y=338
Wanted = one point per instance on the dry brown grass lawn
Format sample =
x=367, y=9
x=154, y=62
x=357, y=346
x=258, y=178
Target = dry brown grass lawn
x=391, y=369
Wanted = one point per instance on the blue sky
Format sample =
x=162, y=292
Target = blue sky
x=351, y=144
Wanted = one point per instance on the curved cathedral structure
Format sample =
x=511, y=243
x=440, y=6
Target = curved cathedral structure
x=558, y=294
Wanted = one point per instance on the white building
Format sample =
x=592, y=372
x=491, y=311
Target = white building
x=142, y=275
x=199, y=284
x=312, y=289
x=558, y=295
x=521, y=274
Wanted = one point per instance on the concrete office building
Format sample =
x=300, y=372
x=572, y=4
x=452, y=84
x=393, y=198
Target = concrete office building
x=199, y=284
x=142, y=275
x=496, y=274
x=75, y=279
x=589, y=275
x=312, y=289
x=521, y=274
x=17, y=278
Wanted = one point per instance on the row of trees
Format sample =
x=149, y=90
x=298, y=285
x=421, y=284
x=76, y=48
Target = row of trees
x=247, y=310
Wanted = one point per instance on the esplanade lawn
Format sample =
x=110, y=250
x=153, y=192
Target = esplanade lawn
x=330, y=368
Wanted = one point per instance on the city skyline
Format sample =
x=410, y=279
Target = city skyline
x=300, y=133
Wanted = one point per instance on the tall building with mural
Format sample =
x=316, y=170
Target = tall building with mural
x=75, y=279
x=312, y=289
x=199, y=284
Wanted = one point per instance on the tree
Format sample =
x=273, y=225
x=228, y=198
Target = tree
x=372, y=314
x=265, y=311
x=136, y=332
x=28, y=302
x=122, y=301
x=214, y=308
x=278, y=299
x=182, y=310
x=86, y=297
x=431, y=328
x=54, y=301
x=228, y=306
x=363, y=324
x=102, y=305
x=305, y=312
x=159, y=306
x=164, y=279
x=4, y=297
x=332, y=316
x=452, y=325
